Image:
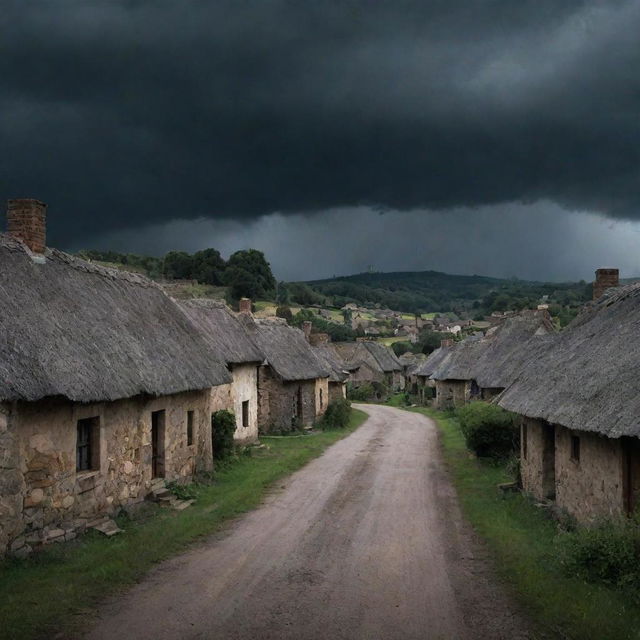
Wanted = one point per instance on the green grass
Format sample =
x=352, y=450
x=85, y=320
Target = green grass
x=389, y=341
x=54, y=590
x=522, y=540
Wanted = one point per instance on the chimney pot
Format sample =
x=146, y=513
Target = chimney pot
x=605, y=279
x=245, y=305
x=306, y=327
x=26, y=220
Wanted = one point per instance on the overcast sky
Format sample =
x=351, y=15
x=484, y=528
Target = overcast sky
x=475, y=136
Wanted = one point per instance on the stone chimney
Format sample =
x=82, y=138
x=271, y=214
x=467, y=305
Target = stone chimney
x=244, y=305
x=306, y=327
x=446, y=343
x=26, y=220
x=319, y=338
x=605, y=279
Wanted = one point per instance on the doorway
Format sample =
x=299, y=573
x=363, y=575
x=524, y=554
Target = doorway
x=157, y=443
x=549, y=461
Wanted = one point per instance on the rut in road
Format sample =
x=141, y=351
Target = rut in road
x=365, y=542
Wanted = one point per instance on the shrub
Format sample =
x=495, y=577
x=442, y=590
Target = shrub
x=361, y=393
x=223, y=424
x=607, y=552
x=488, y=430
x=337, y=415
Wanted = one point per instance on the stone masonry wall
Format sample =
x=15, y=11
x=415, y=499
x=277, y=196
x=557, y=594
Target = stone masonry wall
x=56, y=501
x=451, y=394
x=537, y=459
x=278, y=402
x=337, y=391
x=245, y=388
x=321, y=396
x=593, y=486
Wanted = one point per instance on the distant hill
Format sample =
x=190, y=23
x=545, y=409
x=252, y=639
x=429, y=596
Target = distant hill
x=427, y=291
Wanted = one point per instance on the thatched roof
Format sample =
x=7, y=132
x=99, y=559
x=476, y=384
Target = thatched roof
x=285, y=349
x=88, y=333
x=426, y=368
x=221, y=327
x=330, y=357
x=377, y=355
x=508, y=347
x=586, y=377
x=459, y=360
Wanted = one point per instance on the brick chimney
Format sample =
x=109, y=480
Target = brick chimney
x=244, y=305
x=605, y=279
x=306, y=327
x=446, y=343
x=26, y=220
x=319, y=338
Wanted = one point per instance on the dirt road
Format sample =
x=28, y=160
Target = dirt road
x=365, y=542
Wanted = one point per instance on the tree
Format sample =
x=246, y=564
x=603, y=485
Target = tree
x=283, y=296
x=178, y=264
x=401, y=347
x=248, y=274
x=285, y=312
x=208, y=267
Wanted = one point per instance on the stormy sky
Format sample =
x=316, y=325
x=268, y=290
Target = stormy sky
x=475, y=136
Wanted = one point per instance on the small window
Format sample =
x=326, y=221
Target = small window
x=88, y=444
x=189, y=428
x=245, y=414
x=575, y=448
x=524, y=441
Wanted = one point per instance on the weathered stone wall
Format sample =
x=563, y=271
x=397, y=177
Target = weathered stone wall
x=321, y=396
x=282, y=406
x=337, y=391
x=537, y=459
x=55, y=501
x=451, y=394
x=397, y=381
x=245, y=388
x=593, y=486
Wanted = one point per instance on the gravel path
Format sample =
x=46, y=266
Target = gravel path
x=364, y=543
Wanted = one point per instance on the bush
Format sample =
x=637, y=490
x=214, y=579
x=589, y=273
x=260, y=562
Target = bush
x=223, y=424
x=607, y=552
x=361, y=393
x=488, y=430
x=337, y=415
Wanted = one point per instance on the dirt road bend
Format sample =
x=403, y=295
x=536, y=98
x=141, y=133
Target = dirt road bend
x=364, y=543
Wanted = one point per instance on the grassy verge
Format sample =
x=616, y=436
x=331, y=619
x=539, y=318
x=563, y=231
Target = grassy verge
x=55, y=589
x=522, y=540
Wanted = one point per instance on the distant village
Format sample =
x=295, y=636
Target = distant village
x=108, y=385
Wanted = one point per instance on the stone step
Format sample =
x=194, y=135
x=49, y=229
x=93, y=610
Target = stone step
x=108, y=528
x=161, y=493
x=181, y=505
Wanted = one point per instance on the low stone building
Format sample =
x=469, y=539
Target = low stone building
x=374, y=362
x=578, y=402
x=419, y=374
x=105, y=385
x=339, y=374
x=293, y=384
x=228, y=337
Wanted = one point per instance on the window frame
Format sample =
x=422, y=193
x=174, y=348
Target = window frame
x=88, y=444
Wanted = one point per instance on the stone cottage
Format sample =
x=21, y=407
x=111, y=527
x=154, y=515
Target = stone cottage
x=321, y=343
x=419, y=374
x=105, y=385
x=293, y=384
x=229, y=338
x=375, y=363
x=579, y=407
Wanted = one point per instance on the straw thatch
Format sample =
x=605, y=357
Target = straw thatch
x=428, y=367
x=222, y=329
x=586, y=377
x=73, y=329
x=509, y=346
x=285, y=349
x=376, y=355
x=335, y=364
x=459, y=360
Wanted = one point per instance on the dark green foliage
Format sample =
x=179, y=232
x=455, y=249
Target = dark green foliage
x=208, y=267
x=337, y=415
x=286, y=313
x=607, y=552
x=179, y=265
x=361, y=393
x=248, y=274
x=488, y=430
x=304, y=294
x=283, y=296
x=183, y=491
x=223, y=426
x=401, y=347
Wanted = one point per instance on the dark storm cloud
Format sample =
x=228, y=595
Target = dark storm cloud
x=124, y=113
